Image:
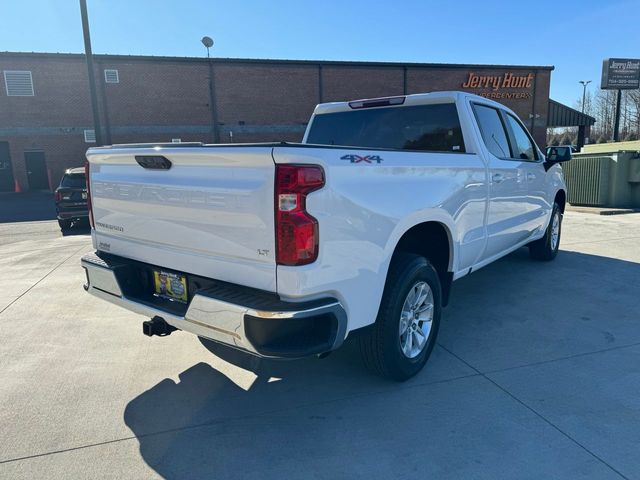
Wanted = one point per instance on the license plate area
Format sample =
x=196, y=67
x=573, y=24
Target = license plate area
x=170, y=286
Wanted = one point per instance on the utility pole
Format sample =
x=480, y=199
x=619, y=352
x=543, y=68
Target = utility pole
x=584, y=91
x=92, y=80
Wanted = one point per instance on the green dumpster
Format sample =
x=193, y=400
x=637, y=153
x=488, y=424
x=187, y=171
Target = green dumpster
x=609, y=179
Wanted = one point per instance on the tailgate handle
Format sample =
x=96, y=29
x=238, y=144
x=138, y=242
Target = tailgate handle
x=153, y=162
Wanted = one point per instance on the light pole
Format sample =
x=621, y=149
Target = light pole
x=208, y=43
x=584, y=91
x=92, y=81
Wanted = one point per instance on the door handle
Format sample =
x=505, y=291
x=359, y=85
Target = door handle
x=497, y=178
x=531, y=176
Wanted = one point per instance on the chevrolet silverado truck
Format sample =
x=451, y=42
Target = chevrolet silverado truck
x=283, y=250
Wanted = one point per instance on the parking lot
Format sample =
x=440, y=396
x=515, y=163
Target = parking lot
x=536, y=375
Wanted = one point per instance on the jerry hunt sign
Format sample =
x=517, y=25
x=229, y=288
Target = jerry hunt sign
x=620, y=74
x=497, y=84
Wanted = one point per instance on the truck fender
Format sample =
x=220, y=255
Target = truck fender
x=421, y=217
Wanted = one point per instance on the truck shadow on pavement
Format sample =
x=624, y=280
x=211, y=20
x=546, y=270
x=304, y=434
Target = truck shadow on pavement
x=294, y=419
x=184, y=427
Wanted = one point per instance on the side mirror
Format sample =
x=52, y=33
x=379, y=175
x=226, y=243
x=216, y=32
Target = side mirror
x=558, y=154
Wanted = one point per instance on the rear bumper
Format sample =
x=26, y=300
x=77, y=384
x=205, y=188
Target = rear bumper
x=252, y=320
x=66, y=213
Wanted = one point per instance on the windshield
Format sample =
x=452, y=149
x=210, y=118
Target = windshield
x=433, y=128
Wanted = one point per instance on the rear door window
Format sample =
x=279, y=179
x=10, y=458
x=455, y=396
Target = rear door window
x=433, y=128
x=493, y=131
x=73, y=181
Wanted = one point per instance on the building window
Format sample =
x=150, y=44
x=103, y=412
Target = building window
x=90, y=136
x=18, y=83
x=111, y=76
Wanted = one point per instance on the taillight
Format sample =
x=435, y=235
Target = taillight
x=296, y=230
x=89, y=205
x=58, y=196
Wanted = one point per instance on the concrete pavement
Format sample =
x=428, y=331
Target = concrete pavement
x=536, y=375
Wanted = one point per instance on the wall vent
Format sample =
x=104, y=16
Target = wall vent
x=111, y=76
x=18, y=83
x=90, y=136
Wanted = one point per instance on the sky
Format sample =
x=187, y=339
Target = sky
x=574, y=36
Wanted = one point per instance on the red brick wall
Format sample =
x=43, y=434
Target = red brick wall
x=157, y=93
x=160, y=99
x=350, y=83
x=428, y=79
x=61, y=152
x=61, y=93
x=265, y=94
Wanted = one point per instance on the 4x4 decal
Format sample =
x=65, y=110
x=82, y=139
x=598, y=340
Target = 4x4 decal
x=358, y=158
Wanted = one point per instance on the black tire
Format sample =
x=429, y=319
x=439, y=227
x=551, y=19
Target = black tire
x=545, y=249
x=64, y=224
x=380, y=344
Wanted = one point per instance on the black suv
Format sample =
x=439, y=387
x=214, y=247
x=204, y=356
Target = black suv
x=71, y=198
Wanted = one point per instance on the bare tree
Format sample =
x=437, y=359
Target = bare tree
x=602, y=106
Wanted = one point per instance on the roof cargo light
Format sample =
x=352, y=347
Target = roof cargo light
x=377, y=102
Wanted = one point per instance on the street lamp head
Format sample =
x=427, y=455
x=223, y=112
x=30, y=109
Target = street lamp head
x=584, y=91
x=207, y=42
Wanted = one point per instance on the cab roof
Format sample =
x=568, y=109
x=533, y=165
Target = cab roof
x=402, y=100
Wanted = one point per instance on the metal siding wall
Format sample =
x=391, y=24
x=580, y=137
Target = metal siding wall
x=588, y=180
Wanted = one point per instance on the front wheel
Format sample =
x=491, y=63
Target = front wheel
x=400, y=342
x=547, y=247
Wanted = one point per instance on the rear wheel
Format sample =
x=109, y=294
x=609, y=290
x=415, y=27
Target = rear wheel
x=64, y=224
x=547, y=247
x=399, y=344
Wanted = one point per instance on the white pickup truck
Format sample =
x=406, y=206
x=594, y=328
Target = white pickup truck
x=282, y=250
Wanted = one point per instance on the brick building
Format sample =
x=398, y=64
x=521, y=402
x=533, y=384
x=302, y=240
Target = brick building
x=46, y=121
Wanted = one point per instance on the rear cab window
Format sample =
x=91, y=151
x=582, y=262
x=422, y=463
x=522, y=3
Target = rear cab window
x=431, y=128
x=76, y=180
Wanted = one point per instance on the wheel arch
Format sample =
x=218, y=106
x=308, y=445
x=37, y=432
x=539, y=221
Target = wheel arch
x=433, y=240
x=561, y=199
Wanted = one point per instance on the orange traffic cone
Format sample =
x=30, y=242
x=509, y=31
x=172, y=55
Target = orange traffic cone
x=17, y=186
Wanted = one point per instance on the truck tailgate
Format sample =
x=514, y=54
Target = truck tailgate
x=210, y=214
